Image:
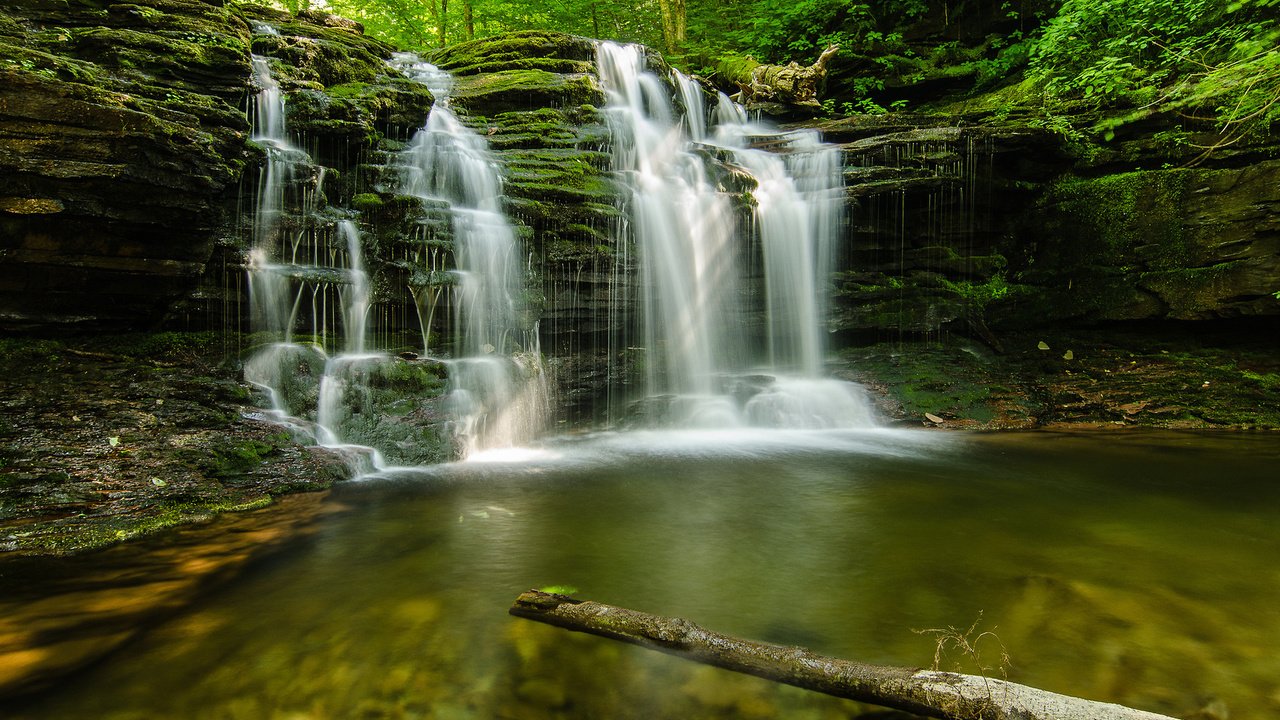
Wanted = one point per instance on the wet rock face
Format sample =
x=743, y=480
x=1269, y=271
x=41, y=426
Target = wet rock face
x=121, y=143
x=980, y=227
x=1174, y=243
x=338, y=87
x=930, y=206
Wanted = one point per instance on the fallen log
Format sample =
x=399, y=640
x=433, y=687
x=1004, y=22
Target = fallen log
x=790, y=84
x=946, y=695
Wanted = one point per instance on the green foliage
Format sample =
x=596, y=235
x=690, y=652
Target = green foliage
x=423, y=24
x=780, y=30
x=981, y=294
x=1203, y=57
x=1211, y=60
x=1012, y=55
x=1102, y=50
x=367, y=202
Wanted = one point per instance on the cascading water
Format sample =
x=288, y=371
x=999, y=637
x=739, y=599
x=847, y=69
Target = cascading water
x=498, y=386
x=269, y=284
x=708, y=276
x=293, y=261
x=702, y=369
x=355, y=301
x=683, y=228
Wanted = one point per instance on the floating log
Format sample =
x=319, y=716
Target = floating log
x=946, y=695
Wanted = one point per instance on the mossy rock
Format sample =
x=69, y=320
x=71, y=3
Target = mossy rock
x=508, y=90
x=397, y=406
x=354, y=110
x=525, y=50
x=131, y=120
x=577, y=171
x=316, y=50
x=319, y=48
x=1127, y=218
x=229, y=459
x=531, y=129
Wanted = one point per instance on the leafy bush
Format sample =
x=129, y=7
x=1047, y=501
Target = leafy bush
x=1211, y=58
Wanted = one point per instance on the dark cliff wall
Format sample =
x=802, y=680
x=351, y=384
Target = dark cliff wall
x=121, y=145
x=974, y=225
x=125, y=152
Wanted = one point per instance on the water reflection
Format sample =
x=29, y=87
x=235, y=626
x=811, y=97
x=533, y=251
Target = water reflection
x=1132, y=568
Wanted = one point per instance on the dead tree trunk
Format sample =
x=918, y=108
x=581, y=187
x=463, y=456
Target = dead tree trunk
x=951, y=696
x=790, y=84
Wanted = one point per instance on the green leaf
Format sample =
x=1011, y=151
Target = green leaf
x=559, y=589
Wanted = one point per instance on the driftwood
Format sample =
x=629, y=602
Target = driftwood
x=790, y=84
x=951, y=696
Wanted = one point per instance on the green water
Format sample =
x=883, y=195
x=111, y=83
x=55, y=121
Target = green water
x=1139, y=569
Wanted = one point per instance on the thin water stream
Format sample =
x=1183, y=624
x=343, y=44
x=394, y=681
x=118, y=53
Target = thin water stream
x=1135, y=568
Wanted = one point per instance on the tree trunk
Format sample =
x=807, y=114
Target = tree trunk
x=667, y=12
x=950, y=696
x=444, y=14
x=468, y=20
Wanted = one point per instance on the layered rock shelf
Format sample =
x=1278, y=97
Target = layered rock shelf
x=122, y=142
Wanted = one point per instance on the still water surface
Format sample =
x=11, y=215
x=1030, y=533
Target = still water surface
x=1133, y=568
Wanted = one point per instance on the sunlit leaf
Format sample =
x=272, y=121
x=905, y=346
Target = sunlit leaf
x=559, y=589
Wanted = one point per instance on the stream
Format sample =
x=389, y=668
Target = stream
x=1129, y=567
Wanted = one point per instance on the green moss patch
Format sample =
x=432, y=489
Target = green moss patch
x=509, y=90
x=534, y=49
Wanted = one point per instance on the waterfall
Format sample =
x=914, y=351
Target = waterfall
x=294, y=260
x=683, y=230
x=695, y=109
x=498, y=385
x=727, y=226
x=799, y=195
x=356, y=299
x=268, y=284
x=704, y=366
